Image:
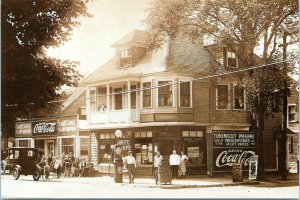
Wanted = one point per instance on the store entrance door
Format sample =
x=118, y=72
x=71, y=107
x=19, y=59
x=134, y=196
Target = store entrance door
x=166, y=146
x=50, y=148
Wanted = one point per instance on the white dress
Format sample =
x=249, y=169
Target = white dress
x=183, y=159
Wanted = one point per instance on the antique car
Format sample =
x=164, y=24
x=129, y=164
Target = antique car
x=23, y=160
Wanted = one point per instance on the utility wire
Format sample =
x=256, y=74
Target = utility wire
x=171, y=84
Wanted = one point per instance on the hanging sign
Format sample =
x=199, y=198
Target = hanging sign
x=253, y=166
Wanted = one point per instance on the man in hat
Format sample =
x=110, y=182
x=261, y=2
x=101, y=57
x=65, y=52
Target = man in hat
x=131, y=165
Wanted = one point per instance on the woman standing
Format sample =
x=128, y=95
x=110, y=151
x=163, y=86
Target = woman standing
x=182, y=167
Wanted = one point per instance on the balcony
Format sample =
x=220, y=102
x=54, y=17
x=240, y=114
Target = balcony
x=114, y=116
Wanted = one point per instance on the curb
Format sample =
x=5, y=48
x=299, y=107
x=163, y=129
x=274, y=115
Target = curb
x=196, y=186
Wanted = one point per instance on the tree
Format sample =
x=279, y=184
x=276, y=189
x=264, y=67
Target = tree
x=245, y=28
x=31, y=81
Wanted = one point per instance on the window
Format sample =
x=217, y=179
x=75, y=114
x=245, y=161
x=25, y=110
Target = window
x=292, y=109
x=125, y=58
x=290, y=144
x=84, y=146
x=192, y=133
x=165, y=93
x=133, y=96
x=239, y=97
x=185, y=94
x=30, y=153
x=223, y=97
x=68, y=145
x=118, y=99
x=93, y=99
x=231, y=60
x=147, y=95
x=24, y=143
x=101, y=99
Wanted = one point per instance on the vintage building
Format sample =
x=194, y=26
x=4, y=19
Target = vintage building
x=59, y=134
x=160, y=100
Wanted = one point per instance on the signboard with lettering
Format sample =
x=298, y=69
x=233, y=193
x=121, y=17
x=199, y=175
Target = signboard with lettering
x=232, y=147
x=67, y=126
x=237, y=172
x=23, y=129
x=94, y=151
x=45, y=127
x=253, y=166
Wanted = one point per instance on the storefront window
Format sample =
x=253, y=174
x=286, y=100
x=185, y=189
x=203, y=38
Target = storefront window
x=165, y=93
x=68, y=145
x=185, y=94
x=194, y=147
x=223, y=97
x=146, y=95
x=144, y=147
x=24, y=143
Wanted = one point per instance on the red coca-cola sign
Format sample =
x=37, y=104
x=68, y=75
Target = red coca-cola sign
x=232, y=147
x=49, y=127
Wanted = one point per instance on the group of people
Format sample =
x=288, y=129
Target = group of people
x=177, y=165
x=65, y=165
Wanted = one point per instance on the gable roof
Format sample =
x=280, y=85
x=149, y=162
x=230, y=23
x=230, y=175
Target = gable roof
x=73, y=97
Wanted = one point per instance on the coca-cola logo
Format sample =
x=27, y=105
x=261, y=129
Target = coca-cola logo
x=44, y=127
x=226, y=158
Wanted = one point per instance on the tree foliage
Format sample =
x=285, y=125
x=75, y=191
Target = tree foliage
x=252, y=29
x=30, y=79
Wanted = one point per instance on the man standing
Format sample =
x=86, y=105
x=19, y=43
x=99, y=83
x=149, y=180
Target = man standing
x=157, y=162
x=131, y=165
x=174, y=163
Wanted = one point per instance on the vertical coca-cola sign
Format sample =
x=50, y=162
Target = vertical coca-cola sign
x=231, y=147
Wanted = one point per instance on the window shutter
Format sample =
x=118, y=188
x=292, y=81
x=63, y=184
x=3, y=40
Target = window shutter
x=225, y=56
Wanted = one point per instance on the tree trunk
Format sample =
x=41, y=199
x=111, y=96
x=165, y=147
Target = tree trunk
x=260, y=145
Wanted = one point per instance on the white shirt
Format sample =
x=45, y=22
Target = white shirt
x=130, y=160
x=174, y=159
x=157, y=160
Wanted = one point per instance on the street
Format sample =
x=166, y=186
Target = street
x=104, y=187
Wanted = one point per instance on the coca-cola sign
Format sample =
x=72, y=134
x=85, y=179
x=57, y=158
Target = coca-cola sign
x=44, y=127
x=232, y=147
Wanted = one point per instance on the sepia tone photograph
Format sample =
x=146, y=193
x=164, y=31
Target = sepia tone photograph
x=147, y=99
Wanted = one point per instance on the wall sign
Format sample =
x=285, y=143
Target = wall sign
x=48, y=127
x=237, y=173
x=94, y=151
x=67, y=126
x=193, y=152
x=232, y=147
x=167, y=117
x=23, y=129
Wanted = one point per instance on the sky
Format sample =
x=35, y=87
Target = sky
x=90, y=42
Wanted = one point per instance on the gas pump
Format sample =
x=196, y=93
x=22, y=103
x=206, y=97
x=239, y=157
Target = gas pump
x=118, y=162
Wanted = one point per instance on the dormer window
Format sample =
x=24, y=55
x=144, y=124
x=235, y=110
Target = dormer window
x=231, y=60
x=125, y=58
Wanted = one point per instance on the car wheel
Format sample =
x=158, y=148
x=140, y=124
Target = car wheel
x=16, y=173
x=36, y=175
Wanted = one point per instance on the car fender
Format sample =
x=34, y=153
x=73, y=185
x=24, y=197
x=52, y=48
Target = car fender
x=19, y=168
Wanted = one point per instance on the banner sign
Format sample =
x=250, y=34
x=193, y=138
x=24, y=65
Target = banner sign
x=49, y=127
x=253, y=166
x=232, y=147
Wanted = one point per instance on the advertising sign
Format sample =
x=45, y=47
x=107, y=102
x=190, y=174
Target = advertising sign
x=232, y=147
x=193, y=152
x=253, y=166
x=48, y=127
x=67, y=126
x=237, y=172
x=23, y=128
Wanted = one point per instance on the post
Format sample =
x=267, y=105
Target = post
x=118, y=175
x=108, y=103
x=284, y=110
x=128, y=101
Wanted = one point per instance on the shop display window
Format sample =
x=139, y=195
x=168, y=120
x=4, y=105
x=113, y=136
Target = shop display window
x=84, y=146
x=68, y=145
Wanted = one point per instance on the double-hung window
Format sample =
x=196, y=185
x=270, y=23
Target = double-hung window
x=238, y=97
x=232, y=60
x=146, y=94
x=223, y=97
x=185, y=94
x=165, y=93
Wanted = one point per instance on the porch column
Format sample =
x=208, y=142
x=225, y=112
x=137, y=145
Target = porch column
x=87, y=104
x=128, y=102
x=108, y=103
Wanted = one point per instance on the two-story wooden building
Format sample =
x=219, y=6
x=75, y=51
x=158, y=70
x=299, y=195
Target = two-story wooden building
x=160, y=103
